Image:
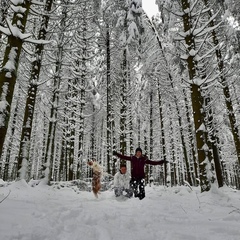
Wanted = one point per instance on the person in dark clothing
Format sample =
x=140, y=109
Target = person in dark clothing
x=138, y=161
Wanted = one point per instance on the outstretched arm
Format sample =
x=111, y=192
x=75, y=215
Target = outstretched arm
x=128, y=158
x=155, y=162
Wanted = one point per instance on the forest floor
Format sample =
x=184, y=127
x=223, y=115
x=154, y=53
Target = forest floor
x=62, y=213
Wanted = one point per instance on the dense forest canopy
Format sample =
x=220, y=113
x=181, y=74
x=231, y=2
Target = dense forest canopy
x=82, y=78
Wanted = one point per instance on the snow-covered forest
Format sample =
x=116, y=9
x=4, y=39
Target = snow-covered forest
x=80, y=79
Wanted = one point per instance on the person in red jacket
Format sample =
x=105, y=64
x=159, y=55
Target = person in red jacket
x=138, y=162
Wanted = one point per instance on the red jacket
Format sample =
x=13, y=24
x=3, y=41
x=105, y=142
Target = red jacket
x=137, y=166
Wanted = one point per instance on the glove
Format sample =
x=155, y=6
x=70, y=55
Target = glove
x=114, y=153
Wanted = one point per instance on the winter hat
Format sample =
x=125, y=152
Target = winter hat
x=122, y=165
x=138, y=149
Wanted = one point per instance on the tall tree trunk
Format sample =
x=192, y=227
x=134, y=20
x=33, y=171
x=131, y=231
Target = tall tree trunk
x=151, y=130
x=32, y=93
x=109, y=100
x=130, y=113
x=194, y=163
x=146, y=146
x=123, y=95
x=82, y=104
x=163, y=142
x=114, y=142
x=139, y=120
x=10, y=143
x=8, y=71
x=72, y=141
x=63, y=155
x=197, y=104
x=123, y=110
x=93, y=137
x=172, y=147
x=212, y=140
x=197, y=99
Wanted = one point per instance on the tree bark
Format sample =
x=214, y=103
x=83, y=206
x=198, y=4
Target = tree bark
x=32, y=93
x=8, y=73
x=197, y=99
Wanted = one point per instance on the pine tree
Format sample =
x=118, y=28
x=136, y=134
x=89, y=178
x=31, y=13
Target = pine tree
x=15, y=31
x=32, y=93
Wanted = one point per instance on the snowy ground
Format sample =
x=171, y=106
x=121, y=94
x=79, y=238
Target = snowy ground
x=51, y=213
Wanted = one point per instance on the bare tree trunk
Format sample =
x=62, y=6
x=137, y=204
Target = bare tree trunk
x=32, y=93
x=197, y=99
x=123, y=110
x=173, y=155
x=194, y=164
x=150, y=131
x=123, y=95
x=130, y=112
x=8, y=72
x=109, y=101
x=212, y=140
x=163, y=142
x=9, y=145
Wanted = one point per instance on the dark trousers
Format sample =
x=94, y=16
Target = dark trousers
x=138, y=187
